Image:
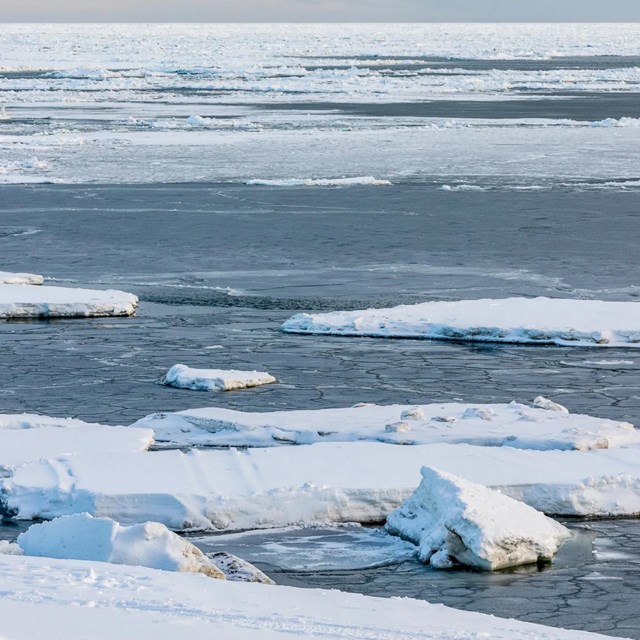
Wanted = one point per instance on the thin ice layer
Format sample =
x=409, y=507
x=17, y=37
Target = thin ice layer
x=514, y=320
x=546, y=425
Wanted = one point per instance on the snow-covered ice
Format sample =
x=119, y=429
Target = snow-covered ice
x=321, y=483
x=7, y=277
x=454, y=521
x=48, y=599
x=321, y=182
x=19, y=301
x=236, y=569
x=184, y=377
x=546, y=425
x=83, y=537
x=514, y=320
x=27, y=437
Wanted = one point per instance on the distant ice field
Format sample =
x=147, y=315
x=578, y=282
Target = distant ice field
x=541, y=104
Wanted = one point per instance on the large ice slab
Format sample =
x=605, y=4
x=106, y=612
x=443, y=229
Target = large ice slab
x=26, y=437
x=184, y=377
x=23, y=302
x=7, y=277
x=321, y=483
x=513, y=320
x=83, y=537
x=73, y=599
x=546, y=425
x=456, y=521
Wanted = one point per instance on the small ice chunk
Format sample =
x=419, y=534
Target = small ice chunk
x=544, y=403
x=20, y=278
x=484, y=413
x=238, y=570
x=10, y=549
x=83, y=537
x=398, y=427
x=415, y=413
x=457, y=521
x=183, y=377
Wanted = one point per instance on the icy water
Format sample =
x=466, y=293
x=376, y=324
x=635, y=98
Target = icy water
x=184, y=160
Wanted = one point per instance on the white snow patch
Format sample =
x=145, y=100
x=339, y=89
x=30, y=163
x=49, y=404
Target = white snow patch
x=321, y=182
x=26, y=437
x=456, y=521
x=512, y=320
x=83, y=537
x=496, y=425
x=22, y=301
x=76, y=599
x=274, y=487
x=184, y=377
x=20, y=278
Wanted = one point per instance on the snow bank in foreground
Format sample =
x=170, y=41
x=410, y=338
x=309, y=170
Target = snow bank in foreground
x=184, y=377
x=321, y=483
x=20, y=278
x=321, y=182
x=547, y=425
x=516, y=320
x=26, y=437
x=456, y=521
x=73, y=599
x=83, y=537
x=21, y=301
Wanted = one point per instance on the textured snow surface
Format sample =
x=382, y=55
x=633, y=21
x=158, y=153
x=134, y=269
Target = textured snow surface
x=20, y=301
x=26, y=437
x=184, y=377
x=83, y=537
x=237, y=569
x=20, y=278
x=321, y=483
x=456, y=521
x=48, y=599
x=547, y=425
x=517, y=320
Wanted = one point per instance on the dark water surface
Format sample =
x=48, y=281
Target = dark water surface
x=218, y=268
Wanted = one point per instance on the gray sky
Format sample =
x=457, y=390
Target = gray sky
x=318, y=10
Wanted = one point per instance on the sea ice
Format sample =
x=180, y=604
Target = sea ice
x=20, y=278
x=236, y=569
x=83, y=537
x=184, y=377
x=18, y=301
x=454, y=521
x=25, y=437
x=47, y=599
x=547, y=425
x=329, y=482
x=514, y=320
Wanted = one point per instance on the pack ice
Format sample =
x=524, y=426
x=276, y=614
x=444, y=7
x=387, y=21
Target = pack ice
x=184, y=377
x=513, y=320
x=545, y=425
x=456, y=521
x=322, y=483
x=21, y=301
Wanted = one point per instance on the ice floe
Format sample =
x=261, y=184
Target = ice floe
x=320, y=182
x=7, y=277
x=26, y=437
x=546, y=425
x=83, y=537
x=19, y=301
x=454, y=521
x=73, y=599
x=321, y=483
x=184, y=377
x=513, y=320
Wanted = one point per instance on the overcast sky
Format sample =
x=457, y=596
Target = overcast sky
x=319, y=10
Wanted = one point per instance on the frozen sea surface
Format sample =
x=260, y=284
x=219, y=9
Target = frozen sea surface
x=543, y=104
